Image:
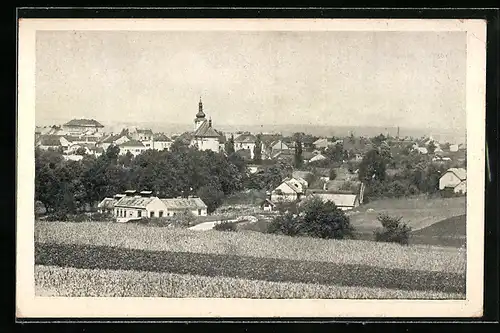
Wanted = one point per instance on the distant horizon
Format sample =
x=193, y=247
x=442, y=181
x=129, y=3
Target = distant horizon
x=346, y=78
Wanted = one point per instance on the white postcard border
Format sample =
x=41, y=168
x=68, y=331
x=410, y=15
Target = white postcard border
x=27, y=305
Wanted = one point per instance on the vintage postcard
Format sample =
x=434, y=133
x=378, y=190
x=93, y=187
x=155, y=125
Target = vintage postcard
x=250, y=168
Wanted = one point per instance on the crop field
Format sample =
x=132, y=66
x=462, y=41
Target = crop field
x=73, y=257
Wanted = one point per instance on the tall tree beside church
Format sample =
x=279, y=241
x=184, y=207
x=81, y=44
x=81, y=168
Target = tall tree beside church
x=229, y=147
x=257, y=151
x=298, y=161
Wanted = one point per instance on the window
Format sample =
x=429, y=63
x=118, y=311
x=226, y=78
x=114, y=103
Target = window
x=151, y=214
x=160, y=213
x=199, y=211
x=139, y=213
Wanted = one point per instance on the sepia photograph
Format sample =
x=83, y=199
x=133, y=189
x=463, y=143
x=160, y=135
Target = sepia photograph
x=182, y=167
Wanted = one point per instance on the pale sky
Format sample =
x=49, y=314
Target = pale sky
x=337, y=78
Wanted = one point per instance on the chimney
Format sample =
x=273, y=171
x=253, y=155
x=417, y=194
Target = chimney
x=210, y=122
x=130, y=193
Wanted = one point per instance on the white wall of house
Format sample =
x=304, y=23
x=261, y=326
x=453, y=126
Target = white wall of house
x=133, y=150
x=155, y=208
x=246, y=145
x=207, y=144
x=162, y=145
x=461, y=188
x=283, y=193
x=195, y=212
x=449, y=179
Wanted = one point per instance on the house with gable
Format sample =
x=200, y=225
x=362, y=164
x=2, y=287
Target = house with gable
x=161, y=142
x=133, y=146
x=134, y=206
x=454, y=179
x=176, y=206
x=291, y=189
x=247, y=141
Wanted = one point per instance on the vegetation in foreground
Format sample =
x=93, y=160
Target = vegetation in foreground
x=251, y=268
x=72, y=282
x=134, y=236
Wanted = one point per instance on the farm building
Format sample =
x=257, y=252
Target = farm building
x=161, y=142
x=267, y=205
x=108, y=204
x=454, y=178
x=344, y=201
x=136, y=206
x=177, y=205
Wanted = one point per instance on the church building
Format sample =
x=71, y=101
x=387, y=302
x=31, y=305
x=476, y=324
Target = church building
x=205, y=137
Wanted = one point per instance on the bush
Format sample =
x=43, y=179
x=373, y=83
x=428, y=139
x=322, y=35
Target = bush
x=57, y=216
x=315, y=219
x=333, y=174
x=393, y=231
x=225, y=226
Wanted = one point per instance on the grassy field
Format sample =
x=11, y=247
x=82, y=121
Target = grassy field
x=113, y=259
x=72, y=282
x=251, y=244
x=417, y=212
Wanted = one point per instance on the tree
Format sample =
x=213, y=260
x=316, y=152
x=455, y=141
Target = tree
x=229, y=146
x=211, y=196
x=333, y=174
x=431, y=147
x=393, y=230
x=372, y=166
x=316, y=219
x=257, y=152
x=298, y=161
x=81, y=151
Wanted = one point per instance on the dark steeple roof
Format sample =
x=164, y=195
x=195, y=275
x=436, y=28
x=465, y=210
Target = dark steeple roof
x=200, y=113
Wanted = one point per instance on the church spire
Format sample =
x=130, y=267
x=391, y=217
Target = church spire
x=200, y=113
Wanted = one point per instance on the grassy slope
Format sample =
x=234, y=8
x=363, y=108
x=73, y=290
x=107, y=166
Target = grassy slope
x=450, y=227
x=70, y=282
x=382, y=255
x=416, y=212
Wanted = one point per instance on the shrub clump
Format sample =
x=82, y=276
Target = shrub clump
x=314, y=218
x=393, y=230
x=225, y=226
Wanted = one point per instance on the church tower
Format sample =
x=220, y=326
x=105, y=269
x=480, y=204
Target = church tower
x=200, y=116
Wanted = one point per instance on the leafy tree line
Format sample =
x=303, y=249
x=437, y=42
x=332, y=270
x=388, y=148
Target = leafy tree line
x=72, y=186
x=415, y=173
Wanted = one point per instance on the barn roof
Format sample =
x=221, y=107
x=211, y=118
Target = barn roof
x=134, y=201
x=184, y=203
x=107, y=203
x=339, y=199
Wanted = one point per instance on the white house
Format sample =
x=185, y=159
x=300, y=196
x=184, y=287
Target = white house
x=246, y=141
x=454, y=148
x=109, y=140
x=162, y=142
x=454, y=178
x=132, y=146
x=175, y=206
x=287, y=191
x=136, y=206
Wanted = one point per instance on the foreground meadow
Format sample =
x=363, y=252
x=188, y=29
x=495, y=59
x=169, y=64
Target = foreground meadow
x=74, y=258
